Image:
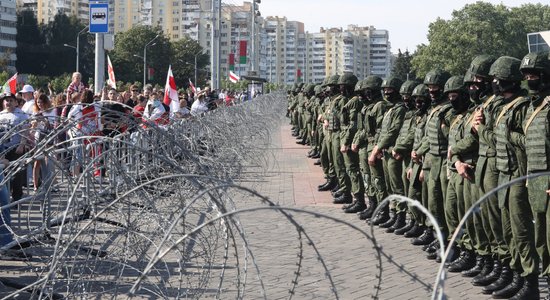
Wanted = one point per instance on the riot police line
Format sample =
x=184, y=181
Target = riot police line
x=446, y=142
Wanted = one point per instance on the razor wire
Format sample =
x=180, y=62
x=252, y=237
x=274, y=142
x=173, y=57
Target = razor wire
x=154, y=211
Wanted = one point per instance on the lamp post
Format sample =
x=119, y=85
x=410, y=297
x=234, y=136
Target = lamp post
x=150, y=43
x=77, y=48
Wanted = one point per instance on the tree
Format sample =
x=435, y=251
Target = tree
x=478, y=28
x=128, y=67
x=62, y=30
x=402, y=67
x=31, y=45
x=183, y=61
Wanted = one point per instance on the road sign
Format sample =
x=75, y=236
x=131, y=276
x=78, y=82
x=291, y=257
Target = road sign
x=99, y=17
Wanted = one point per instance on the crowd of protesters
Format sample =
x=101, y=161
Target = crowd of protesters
x=78, y=116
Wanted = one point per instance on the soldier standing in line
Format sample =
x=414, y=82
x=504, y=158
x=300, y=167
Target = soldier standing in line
x=348, y=118
x=536, y=70
x=392, y=121
x=433, y=151
x=455, y=204
x=417, y=185
x=403, y=145
x=511, y=163
x=316, y=133
x=328, y=123
x=363, y=142
x=374, y=122
x=326, y=158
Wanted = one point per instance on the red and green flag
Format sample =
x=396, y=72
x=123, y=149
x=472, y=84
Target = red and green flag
x=242, y=52
x=232, y=61
x=10, y=85
x=299, y=74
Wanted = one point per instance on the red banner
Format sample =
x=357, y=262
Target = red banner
x=242, y=52
x=232, y=61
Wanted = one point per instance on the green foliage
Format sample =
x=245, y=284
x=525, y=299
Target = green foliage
x=402, y=67
x=479, y=28
x=60, y=83
x=38, y=81
x=4, y=76
x=183, y=61
x=128, y=67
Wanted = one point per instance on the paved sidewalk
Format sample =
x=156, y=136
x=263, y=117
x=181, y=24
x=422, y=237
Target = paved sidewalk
x=350, y=260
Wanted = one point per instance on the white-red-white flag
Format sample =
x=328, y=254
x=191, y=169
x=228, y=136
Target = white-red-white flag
x=111, y=72
x=171, y=93
x=192, y=86
x=233, y=77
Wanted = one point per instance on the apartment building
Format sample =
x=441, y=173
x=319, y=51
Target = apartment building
x=8, y=32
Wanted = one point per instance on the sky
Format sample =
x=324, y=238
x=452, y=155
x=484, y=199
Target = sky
x=406, y=20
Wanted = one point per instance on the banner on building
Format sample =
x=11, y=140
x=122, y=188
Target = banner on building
x=299, y=75
x=232, y=61
x=242, y=52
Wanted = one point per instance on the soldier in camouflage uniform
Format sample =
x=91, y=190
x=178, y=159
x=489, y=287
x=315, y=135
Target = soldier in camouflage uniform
x=417, y=186
x=363, y=142
x=349, y=118
x=536, y=69
x=511, y=163
x=375, y=117
x=325, y=118
x=433, y=150
x=392, y=121
x=455, y=200
x=316, y=133
x=403, y=145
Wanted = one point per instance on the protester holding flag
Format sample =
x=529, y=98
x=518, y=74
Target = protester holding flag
x=171, y=94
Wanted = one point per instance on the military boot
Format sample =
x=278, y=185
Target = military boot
x=530, y=289
x=324, y=183
x=346, y=206
x=425, y=238
x=330, y=184
x=503, y=280
x=402, y=230
x=335, y=188
x=415, y=231
x=337, y=193
x=345, y=198
x=494, y=275
x=316, y=155
x=367, y=213
x=310, y=153
x=431, y=247
x=511, y=289
x=466, y=263
x=476, y=269
x=317, y=162
x=359, y=205
x=390, y=221
x=382, y=216
x=400, y=222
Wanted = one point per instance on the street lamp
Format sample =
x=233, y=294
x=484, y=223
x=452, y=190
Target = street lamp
x=150, y=43
x=77, y=48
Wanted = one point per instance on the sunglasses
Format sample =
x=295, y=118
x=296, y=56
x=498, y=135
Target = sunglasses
x=135, y=91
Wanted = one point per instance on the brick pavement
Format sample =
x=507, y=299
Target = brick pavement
x=291, y=180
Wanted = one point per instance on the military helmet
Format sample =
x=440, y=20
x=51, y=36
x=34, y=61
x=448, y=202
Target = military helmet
x=318, y=89
x=538, y=61
x=408, y=87
x=333, y=80
x=421, y=90
x=455, y=84
x=359, y=86
x=481, y=65
x=309, y=88
x=437, y=77
x=506, y=68
x=392, y=82
x=372, y=82
x=348, y=79
x=469, y=77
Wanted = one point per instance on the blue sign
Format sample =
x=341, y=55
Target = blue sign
x=99, y=17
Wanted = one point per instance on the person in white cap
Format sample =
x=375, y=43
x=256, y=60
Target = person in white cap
x=28, y=95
